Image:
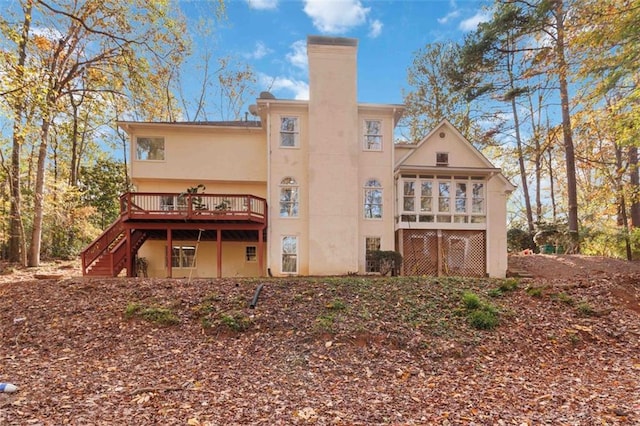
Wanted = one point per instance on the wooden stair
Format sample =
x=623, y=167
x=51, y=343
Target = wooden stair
x=107, y=255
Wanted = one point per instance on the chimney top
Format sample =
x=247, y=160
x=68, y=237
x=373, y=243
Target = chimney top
x=332, y=41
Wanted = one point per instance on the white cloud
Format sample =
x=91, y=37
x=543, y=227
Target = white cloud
x=471, y=24
x=262, y=4
x=300, y=89
x=375, y=28
x=298, y=56
x=337, y=16
x=449, y=16
x=261, y=50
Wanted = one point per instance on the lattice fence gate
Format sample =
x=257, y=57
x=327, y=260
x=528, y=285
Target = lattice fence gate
x=448, y=253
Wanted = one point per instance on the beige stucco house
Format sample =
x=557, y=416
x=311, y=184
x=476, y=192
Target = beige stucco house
x=305, y=188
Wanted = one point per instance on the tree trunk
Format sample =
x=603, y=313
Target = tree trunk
x=38, y=208
x=635, y=187
x=523, y=170
x=567, y=133
x=17, y=247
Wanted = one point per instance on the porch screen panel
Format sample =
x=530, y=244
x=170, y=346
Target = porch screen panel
x=420, y=252
x=464, y=253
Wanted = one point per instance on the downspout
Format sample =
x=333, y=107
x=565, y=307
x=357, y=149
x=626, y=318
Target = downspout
x=268, y=197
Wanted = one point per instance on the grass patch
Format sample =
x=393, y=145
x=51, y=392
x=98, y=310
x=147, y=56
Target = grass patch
x=480, y=314
x=562, y=298
x=534, y=291
x=336, y=305
x=160, y=315
x=585, y=309
x=235, y=321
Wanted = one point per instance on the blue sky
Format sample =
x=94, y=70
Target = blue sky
x=270, y=35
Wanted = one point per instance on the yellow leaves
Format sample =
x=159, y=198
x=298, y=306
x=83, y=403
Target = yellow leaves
x=42, y=43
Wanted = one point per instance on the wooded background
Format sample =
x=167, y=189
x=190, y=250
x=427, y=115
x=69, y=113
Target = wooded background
x=547, y=89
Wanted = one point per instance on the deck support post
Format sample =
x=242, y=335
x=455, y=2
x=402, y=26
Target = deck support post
x=169, y=253
x=219, y=251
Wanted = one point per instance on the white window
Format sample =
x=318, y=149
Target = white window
x=290, y=255
x=289, y=200
x=371, y=244
x=289, y=132
x=442, y=158
x=409, y=194
x=373, y=135
x=183, y=257
x=149, y=149
x=251, y=254
x=443, y=199
x=372, y=199
x=426, y=196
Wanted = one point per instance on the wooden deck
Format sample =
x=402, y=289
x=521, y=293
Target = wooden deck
x=148, y=206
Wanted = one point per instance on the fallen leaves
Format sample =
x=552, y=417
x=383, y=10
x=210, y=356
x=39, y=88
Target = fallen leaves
x=390, y=352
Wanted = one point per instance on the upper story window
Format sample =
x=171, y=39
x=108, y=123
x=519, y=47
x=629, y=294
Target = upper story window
x=442, y=199
x=149, y=149
x=289, y=198
x=372, y=199
x=289, y=132
x=373, y=135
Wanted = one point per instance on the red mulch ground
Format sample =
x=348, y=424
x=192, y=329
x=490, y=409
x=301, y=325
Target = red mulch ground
x=322, y=351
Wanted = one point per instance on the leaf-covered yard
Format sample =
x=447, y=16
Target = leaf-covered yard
x=343, y=351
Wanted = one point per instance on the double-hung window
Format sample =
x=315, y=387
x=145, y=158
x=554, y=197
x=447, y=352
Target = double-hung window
x=290, y=255
x=372, y=135
x=183, y=257
x=371, y=244
x=372, y=199
x=289, y=132
x=289, y=200
x=149, y=149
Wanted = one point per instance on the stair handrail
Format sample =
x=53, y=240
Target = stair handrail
x=101, y=244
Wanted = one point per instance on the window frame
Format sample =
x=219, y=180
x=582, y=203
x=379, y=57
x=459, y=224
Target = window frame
x=248, y=257
x=293, y=204
x=366, y=136
x=369, y=267
x=294, y=254
x=368, y=189
x=180, y=256
x=151, y=139
x=295, y=133
x=449, y=194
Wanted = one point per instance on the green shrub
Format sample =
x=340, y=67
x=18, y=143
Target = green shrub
x=483, y=319
x=387, y=260
x=510, y=284
x=471, y=300
x=336, y=305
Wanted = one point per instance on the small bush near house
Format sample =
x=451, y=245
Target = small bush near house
x=389, y=261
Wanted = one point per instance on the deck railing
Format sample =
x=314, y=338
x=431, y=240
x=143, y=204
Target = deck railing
x=163, y=206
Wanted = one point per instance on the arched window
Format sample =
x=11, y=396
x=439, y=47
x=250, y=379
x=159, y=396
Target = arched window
x=372, y=199
x=289, y=200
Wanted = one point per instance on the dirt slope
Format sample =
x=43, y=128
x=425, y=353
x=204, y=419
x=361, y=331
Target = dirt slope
x=324, y=351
